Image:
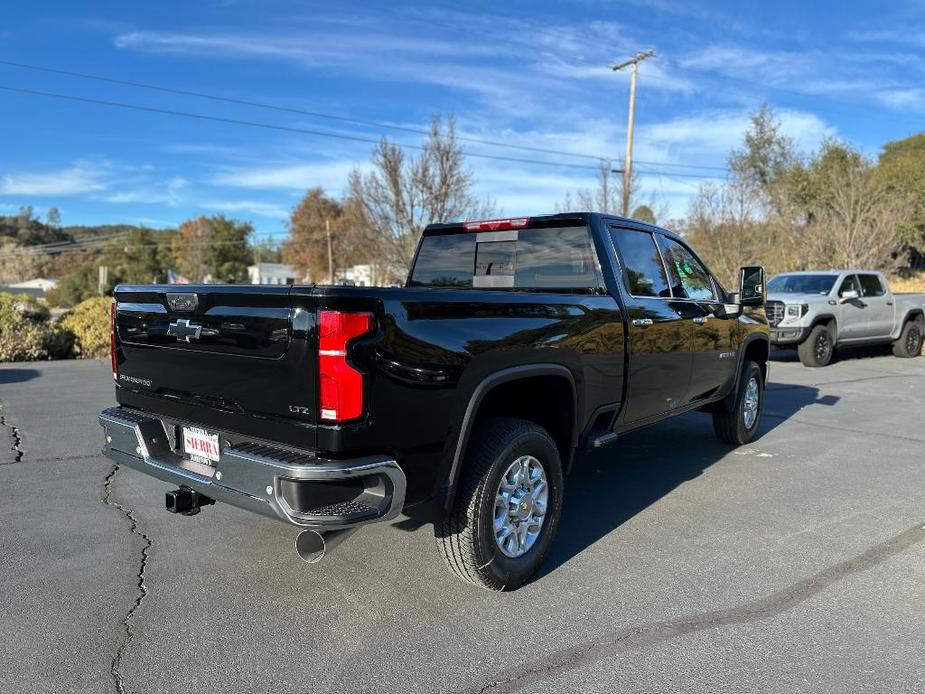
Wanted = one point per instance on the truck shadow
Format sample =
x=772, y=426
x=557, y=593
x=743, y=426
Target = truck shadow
x=608, y=487
x=841, y=354
x=17, y=375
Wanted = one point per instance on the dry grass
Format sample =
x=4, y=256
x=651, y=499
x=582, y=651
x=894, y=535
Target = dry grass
x=914, y=283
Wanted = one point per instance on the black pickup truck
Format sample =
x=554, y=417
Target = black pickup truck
x=463, y=396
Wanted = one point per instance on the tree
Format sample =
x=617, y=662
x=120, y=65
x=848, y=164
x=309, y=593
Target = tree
x=765, y=160
x=267, y=251
x=17, y=263
x=402, y=194
x=134, y=259
x=606, y=196
x=306, y=249
x=789, y=211
x=855, y=216
x=213, y=249
x=53, y=218
x=644, y=213
x=902, y=167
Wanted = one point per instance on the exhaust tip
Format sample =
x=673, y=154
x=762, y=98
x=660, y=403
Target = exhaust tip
x=310, y=546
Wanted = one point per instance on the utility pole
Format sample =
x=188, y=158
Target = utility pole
x=327, y=229
x=633, y=64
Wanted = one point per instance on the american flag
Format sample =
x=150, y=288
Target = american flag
x=175, y=278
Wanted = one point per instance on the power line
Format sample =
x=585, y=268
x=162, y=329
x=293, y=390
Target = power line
x=28, y=250
x=303, y=131
x=269, y=126
x=329, y=116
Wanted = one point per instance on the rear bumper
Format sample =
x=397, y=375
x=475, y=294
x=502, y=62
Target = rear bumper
x=296, y=487
x=788, y=336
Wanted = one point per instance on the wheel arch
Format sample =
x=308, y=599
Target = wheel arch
x=915, y=314
x=826, y=319
x=512, y=392
x=756, y=347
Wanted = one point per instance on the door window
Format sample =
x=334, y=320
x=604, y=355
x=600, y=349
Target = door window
x=849, y=284
x=871, y=285
x=643, y=270
x=689, y=278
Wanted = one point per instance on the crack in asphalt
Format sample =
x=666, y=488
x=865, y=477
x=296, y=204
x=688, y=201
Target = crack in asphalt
x=17, y=439
x=769, y=606
x=129, y=632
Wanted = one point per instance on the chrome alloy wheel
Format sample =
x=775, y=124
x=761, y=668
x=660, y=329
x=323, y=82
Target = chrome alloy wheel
x=752, y=401
x=520, y=506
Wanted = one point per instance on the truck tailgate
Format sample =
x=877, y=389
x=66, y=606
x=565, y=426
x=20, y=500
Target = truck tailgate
x=213, y=348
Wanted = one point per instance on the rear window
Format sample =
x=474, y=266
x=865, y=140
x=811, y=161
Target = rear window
x=555, y=258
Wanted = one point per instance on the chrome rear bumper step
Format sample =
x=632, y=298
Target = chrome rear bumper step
x=296, y=487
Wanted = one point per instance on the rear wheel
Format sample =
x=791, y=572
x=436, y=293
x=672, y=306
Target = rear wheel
x=736, y=420
x=819, y=346
x=507, y=505
x=909, y=343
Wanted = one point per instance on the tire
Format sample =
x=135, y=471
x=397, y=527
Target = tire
x=466, y=537
x=730, y=420
x=910, y=340
x=817, y=349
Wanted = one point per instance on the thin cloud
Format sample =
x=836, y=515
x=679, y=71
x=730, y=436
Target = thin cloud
x=251, y=207
x=74, y=180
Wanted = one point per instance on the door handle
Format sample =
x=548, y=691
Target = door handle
x=699, y=320
x=642, y=322
x=889, y=303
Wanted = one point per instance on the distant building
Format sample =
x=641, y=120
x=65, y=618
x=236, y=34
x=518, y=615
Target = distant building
x=42, y=283
x=35, y=288
x=271, y=273
x=375, y=275
x=355, y=275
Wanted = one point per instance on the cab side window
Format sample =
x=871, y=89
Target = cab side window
x=643, y=270
x=871, y=285
x=849, y=284
x=689, y=278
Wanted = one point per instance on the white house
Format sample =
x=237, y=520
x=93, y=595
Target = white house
x=42, y=283
x=271, y=273
x=356, y=275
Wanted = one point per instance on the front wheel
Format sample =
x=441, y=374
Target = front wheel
x=909, y=343
x=817, y=349
x=736, y=420
x=507, y=507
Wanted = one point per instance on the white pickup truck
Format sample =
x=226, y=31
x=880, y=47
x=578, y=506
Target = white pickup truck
x=817, y=312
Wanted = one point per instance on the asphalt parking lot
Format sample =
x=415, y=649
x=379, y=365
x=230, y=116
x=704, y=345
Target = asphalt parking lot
x=794, y=564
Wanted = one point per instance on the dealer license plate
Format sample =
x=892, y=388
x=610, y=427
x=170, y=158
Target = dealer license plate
x=200, y=445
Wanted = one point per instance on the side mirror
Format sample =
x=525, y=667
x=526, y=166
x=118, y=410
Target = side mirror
x=751, y=286
x=848, y=295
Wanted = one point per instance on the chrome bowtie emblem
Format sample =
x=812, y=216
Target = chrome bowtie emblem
x=184, y=331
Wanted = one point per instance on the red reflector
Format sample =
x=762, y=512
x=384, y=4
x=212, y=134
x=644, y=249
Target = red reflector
x=497, y=224
x=112, y=340
x=341, y=386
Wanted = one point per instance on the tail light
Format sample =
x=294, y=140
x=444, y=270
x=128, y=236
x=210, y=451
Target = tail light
x=341, y=386
x=112, y=340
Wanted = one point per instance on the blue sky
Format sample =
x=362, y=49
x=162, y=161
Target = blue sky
x=527, y=73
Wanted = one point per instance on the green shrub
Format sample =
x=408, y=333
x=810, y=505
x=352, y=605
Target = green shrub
x=89, y=323
x=26, y=334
